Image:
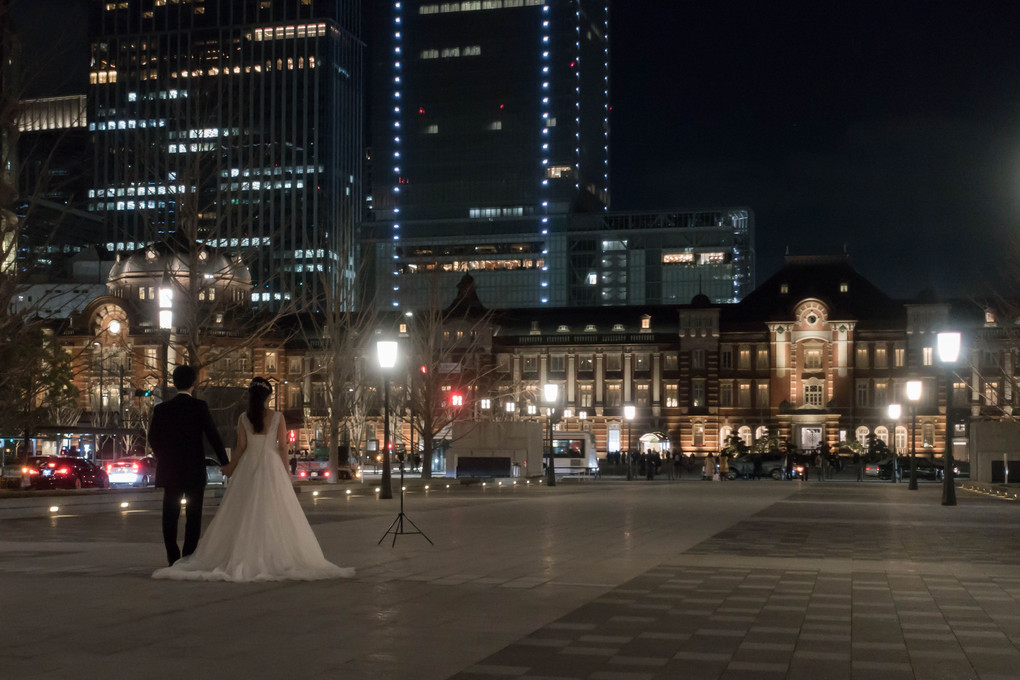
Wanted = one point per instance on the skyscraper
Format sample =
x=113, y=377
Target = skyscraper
x=237, y=123
x=490, y=126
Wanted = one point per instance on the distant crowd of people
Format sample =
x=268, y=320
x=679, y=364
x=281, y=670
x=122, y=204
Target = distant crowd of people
x=673, y=464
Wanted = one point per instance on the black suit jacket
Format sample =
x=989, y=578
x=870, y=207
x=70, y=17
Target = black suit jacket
x=175, y=436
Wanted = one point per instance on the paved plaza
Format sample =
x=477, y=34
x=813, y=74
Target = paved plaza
x=604, y=580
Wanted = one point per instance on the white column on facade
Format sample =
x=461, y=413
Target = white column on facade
x=543, y=370
x=600, y=381
x=571, y=387
x=782, y=345
x=306, y=387
x=843, y=350
x=975, y=383
x=628, y=378
x=656, y=378
x=515, y=369
x=1007, y=385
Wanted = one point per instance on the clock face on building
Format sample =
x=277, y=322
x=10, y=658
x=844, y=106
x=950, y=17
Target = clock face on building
x=811, y=313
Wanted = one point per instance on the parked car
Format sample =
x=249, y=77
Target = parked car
x=773, y=466
x=67, y=473
x=960, y=468
x=925, y=469
x=213, y=472
x=140, y=472
x=874, y=469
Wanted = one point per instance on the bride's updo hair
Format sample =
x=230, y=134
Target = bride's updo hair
x=258, y=391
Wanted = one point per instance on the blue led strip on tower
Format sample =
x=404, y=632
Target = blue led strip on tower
x=605, y=119
x=545, y=150
x=397, y=108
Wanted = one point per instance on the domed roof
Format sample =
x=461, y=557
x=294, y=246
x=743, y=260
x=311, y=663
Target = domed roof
x=168, y=257
x=701, y=300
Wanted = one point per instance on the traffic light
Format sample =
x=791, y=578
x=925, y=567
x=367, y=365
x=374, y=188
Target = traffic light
x=456, y=399
x=292, y=436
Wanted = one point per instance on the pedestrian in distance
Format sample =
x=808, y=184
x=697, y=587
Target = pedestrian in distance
x=175, y=436
x=669, y=466
x=293, y=463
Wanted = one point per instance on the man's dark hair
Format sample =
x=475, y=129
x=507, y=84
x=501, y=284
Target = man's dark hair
x=184, y=377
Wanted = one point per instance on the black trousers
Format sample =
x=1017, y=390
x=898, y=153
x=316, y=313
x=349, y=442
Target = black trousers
x=192, y=520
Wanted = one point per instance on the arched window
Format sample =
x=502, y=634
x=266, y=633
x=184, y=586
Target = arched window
x=928, y=435
x=901, y=439
x=761, y=432
x=724, y=436
x=882, y=432
x=862, y=436
x=699, y=435
x=745, y=435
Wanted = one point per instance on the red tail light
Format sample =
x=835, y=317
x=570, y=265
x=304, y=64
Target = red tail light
x=326, y=474
x=109, y=467
x=63, y=471
x=302, y=474
x=134, y=466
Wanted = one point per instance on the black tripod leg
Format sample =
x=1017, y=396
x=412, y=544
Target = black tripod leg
x=390, y=531
x=417, y=530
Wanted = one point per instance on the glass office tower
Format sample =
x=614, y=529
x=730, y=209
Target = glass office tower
x=235, y=122
x=490, y=125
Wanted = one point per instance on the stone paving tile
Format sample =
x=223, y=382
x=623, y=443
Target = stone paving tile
x=879, y=622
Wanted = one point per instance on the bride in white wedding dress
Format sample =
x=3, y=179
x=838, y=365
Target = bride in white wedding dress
x=260, y=532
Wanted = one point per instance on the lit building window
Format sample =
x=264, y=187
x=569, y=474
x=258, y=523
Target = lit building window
x=698, y=434
x=678, y=258
x=813, y=395
x=927, y=355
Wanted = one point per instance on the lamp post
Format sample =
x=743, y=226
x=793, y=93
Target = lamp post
x=387, y=353
x=550, y=393
x=166, y=324
x=914, y=395
x=628, y=413
x=895, y=410
x=98, y=349
x=115, y=328
x=949, y=352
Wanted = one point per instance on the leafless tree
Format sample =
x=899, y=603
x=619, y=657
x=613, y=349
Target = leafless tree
x=449, y=357
x=336, y=335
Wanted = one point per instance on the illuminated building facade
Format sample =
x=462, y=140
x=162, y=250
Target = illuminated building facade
x=590, y=259
x=237, y=123
x=490, y=125
x=54, y=163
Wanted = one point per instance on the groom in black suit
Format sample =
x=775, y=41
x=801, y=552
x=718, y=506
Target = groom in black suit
x=175, y=436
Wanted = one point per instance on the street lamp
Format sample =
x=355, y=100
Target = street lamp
x=387, y=353
x=914, y=395
x=166, y=324
x=115, y=329
x=550, y=393
x=949, y=352
x=98, y=351
x=628, y=413
x=895, y=410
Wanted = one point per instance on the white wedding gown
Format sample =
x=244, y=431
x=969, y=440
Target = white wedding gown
x=260, y=532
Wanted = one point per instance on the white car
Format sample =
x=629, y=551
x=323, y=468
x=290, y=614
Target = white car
x=139, y=472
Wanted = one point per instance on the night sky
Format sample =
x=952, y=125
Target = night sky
x=890, y=128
